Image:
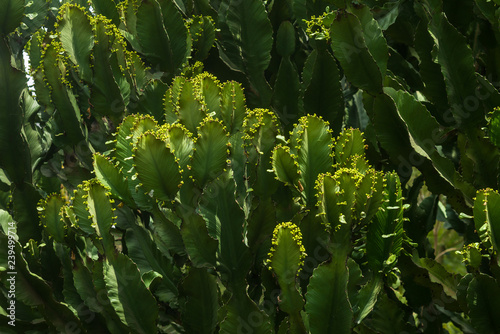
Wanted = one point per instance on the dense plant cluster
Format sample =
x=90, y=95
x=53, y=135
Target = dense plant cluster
x=249, y=166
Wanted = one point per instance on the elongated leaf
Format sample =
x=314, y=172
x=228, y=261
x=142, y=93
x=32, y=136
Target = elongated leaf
x=457, y=66
x=125, y=288
x=261, y=127
x=208, y=89
x=34, y=291
x=51, y=218
x=287, y=256
x=80, y=211
x=336, y=200
x=369, y=196
x=157, y=167
x=108, y=9
x=13, y=149
x=486, y=214
x=202, y=31
x=483, y=296
x=95, y=298
x=210, y=152
x=284, y=166
x=375, y=40
x=127, y=135
x=112, y=177
x=77, y=38
x=12, y=12
x=181, y=145
x=349, y=143
x=327, y=304
x=101, y=211
x=349, y=47
x=190, y=107
x=200, y=312
x=323, y=92
x=68, y=118
x=106, y=96
x=168, y=233
x=385, y=233
x=145, y=254
x=285, y=39
x=286, y=95
x=225, y=221
x=162, y=34
x=200, y=247
x=232, y=106
x=248, y=42
x=435, y=87
x=311, y=142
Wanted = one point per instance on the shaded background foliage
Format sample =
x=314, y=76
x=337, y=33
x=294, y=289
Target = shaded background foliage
x=131, y=173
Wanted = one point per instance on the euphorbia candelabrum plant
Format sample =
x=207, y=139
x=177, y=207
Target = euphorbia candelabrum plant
x=202, y=219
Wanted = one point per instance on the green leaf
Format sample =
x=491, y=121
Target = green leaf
x=202, y=31
x=233, y=106
x=77, y=39
x=284, y=166
x=102, y=214
x=286, y=95
x=145, y=254
x=126, y=137
x=51, y=218
x=457, y=65
x=388, y=221
x=108, y=9
x=207, y=88
x=240, y=316
x=151, y=101
x=94, y=298
x=168, y=232
x=486, y=214
x=374, y=38
x=494, y=127
x=112, y=177
x=162, y=34
x=67, y=116
x=125, y=288
x=311, y=142
x=349, y=47
x=190, y=107
x=200, y=312
x=261, y=127
x=336, y=200
x=483, y=296
x=248, y=41
x=225, y=220
x=157, y=167
x=286, y=258
x=349, y=144
x=12, y=12
x=210, y=152
x=35, y=14
x=369, y=196
x=181, y=145
x=106, y=94
x=434, y=85
x=285, y=39
x=323, y=92
x=82, y=219
x=200, y=247
x=15, y=159
x=327, y=303
x=34, y=291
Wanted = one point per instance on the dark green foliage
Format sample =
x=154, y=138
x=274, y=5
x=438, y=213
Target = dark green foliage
x=140, y=194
